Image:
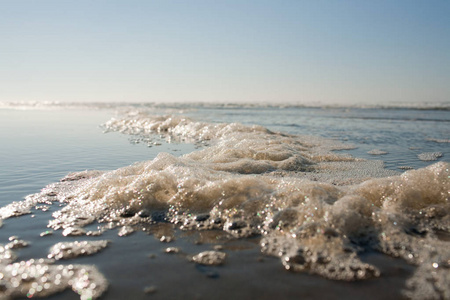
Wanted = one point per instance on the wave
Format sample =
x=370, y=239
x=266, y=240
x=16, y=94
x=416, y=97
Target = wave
x=396, y=118
x=316, y=210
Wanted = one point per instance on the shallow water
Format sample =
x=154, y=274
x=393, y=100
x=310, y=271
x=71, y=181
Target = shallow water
x=41, y=147
x=392, y=130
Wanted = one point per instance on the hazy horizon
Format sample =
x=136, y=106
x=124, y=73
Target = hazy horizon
x=325, y=52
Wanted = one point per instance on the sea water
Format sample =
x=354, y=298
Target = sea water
x=190, y=200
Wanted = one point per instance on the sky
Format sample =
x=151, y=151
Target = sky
x=284, y=51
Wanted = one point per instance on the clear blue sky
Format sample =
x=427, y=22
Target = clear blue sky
x=225, y=51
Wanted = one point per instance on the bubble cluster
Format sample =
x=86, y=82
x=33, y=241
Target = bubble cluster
x=429, y=156
x=42, y=278
x=66, y=250
x=377, y=152
x=210, y=258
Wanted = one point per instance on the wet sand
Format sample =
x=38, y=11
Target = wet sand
x=137, y=267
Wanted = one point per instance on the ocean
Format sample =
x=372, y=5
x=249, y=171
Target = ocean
x=195, y=201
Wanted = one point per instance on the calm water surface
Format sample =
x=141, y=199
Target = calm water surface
x=40, y=147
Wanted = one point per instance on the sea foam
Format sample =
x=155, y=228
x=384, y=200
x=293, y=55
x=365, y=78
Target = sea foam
x=315, y=209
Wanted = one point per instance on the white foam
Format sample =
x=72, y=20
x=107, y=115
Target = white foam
x=42, y=278
x=316, y=210
x=210, y=258
x=438, y=140
x=66, y=250
x=36, y=278
x=429, y=156
x=377, y=152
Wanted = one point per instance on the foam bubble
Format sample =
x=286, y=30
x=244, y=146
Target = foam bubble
x=377, y=152
x=210, y=258
x=125, y=230
x=41, y=278
x=438, y=140
x=6, y=255
x=17, y=243
x=66, y=250
x=429, y=156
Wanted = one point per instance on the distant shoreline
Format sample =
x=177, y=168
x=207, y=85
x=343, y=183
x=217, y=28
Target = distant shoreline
x=24, y=105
